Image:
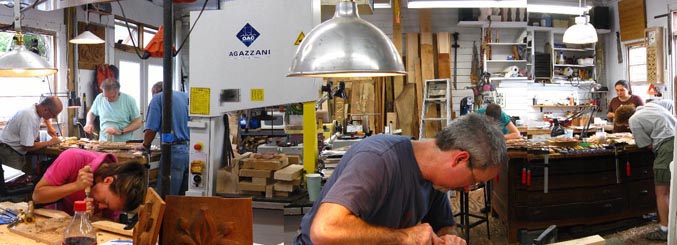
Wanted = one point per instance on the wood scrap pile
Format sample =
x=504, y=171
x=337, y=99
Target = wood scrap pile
x=269, y=174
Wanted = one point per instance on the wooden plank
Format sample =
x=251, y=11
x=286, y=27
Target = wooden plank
x=294, y=159
x=443, y=56
x=256, y=173
x=261, y=181
x=425, y=21
x=288, y=173
x=398, y=81
x=111, y=226
x=265, y=164
x=51, y=213
x=590, y=240
x=285, y=186
x=269, y=191
x=412, y=56
x=405, y=106
x=427, y=67
x=379, y=104
x=249, y=186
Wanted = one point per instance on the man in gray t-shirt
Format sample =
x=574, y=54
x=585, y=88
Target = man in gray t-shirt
x=391, y=190
x=653, y=126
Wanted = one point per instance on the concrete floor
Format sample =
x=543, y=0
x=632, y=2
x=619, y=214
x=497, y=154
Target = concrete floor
x=273, y=227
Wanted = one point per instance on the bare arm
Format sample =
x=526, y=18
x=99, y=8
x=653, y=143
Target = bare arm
x=89, y=127
x=148, y=136
x=47, y=193
x=513, y=132
x=134, y=125
x=39, y=145
x=335, y=224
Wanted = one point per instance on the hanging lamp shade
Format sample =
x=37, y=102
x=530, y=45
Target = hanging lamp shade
x=346, y=46
x=21, y=62
x=87, y=37
x=580, y=33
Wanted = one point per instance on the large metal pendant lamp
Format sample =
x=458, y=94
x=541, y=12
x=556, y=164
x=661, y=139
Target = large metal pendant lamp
x=21, y=62
x=346, y=46
x=582, y=32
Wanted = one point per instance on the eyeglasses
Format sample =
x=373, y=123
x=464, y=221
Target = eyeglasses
x=472, y=174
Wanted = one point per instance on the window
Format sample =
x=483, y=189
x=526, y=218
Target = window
x=139, y=31
x=637, y=70
x=26, y=91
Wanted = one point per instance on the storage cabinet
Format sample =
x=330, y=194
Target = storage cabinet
x=582, y=189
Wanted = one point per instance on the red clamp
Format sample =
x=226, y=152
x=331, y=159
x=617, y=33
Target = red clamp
x=529, y=177
x=524, y=176
x=627, y=169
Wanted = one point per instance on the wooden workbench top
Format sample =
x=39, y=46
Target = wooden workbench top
x=10, y=238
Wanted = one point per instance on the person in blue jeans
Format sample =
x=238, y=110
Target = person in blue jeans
x=179, y=171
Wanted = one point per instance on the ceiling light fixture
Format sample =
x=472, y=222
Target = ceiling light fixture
x=346, y=46
x=87, y=37
x=467, y=4
x=21, y=62
x=582, y=32
x=556, y=9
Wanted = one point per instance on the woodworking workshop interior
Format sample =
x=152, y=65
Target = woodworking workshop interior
x=338, y=122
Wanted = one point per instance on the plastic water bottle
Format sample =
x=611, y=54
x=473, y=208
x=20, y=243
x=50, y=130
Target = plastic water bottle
x=80, y=231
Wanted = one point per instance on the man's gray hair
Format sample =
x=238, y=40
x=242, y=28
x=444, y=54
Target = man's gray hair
x=110, y=84
x=478, y=135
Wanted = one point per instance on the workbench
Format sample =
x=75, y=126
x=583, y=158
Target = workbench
x=573, y=189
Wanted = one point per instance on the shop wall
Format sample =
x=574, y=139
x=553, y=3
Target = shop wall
x=616, y=71
x=519, y=95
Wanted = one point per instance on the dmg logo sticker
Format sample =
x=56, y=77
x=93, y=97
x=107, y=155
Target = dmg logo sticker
x=248, y=35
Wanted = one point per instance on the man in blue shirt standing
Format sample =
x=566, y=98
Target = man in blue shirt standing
x=179, y=171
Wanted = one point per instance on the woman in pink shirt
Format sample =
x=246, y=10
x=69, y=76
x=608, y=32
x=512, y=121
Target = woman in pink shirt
x=114, y=186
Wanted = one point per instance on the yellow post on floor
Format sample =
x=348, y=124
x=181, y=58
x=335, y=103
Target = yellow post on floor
x=309, y=137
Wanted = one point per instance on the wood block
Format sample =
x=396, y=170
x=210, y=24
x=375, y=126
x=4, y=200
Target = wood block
x=51, y=213
x=294, y=159
x=151, y=214
x=269, y=191
x=288, y=186
x=281, y=194
x=249, y=186
x=412, y=56
x=260, y=181
x=289, y=173
x=255, y=173
x=265, y=164
x=590, y=240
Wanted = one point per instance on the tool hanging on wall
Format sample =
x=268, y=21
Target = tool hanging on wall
x=474, y=66
x=619, y=50
x=455, y=46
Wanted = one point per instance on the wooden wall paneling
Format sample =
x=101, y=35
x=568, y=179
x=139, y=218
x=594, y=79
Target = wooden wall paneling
x=632, y=18
x=362, y=101
x=204, y=220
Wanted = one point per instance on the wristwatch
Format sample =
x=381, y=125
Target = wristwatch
x=122, y=131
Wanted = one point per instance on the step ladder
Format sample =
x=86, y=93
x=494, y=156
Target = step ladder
x=435, y=92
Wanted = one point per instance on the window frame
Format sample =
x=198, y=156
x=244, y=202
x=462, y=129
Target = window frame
x=141, y=29
x=629, y=46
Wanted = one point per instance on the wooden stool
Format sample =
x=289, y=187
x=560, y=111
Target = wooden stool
x=464, y=214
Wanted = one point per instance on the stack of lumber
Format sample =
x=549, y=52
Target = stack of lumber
x=270, y=174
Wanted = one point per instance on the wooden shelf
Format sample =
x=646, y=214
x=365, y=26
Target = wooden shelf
x=506, y=44
x=508, y=78
x=576, y=66
x=506, y=61
x=574, y=49
x=494, y=24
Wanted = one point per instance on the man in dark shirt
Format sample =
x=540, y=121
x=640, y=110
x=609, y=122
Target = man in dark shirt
x=391, y=190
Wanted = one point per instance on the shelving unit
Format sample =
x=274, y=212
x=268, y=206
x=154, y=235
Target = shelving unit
x=506, y=49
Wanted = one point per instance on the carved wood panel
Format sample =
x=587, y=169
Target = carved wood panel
x=89, y=55
x=208, y=220
x=150, y=214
